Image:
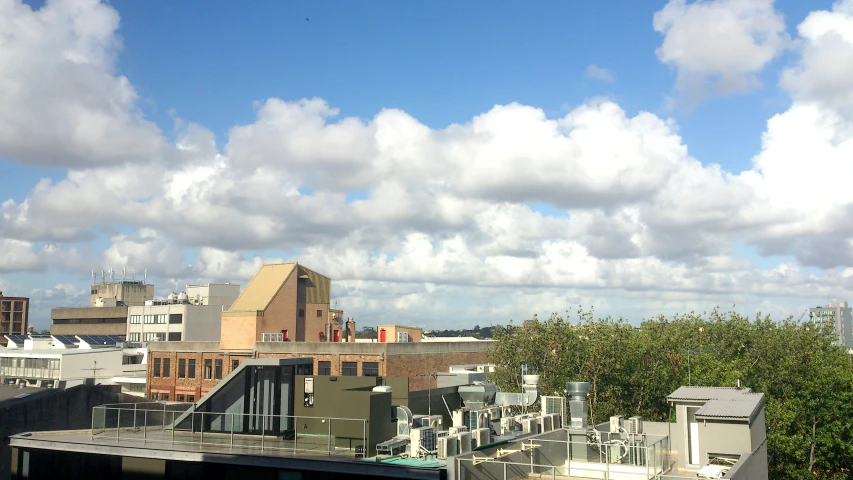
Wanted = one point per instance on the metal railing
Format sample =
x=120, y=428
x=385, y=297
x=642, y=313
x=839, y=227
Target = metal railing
x=548, y=458
x=179, y=425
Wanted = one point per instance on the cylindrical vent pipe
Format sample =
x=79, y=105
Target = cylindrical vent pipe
x=578, y=403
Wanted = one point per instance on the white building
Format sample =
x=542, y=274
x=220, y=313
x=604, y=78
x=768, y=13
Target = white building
x=837, y=315
x=66, y=361
x=194, y=315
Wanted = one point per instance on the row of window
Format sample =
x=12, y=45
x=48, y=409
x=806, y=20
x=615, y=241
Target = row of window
x=180, y=397
x=153, y=337
x=302, y=313
x=350, y=369
x=12, y=362
x=158, y=318
x=187, y=368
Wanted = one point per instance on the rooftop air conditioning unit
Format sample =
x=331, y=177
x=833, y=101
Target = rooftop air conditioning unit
x=635, y=425
x=506, y=425
x=547, y=423
x=556, y=421
x=464, y=442
x=616, y=423
x=421, y=437
x=480, y=437
x=530, y=425
x=554, y=405
x=404, y=421
x=434, y=421
x=459, y=429
x=446, y=446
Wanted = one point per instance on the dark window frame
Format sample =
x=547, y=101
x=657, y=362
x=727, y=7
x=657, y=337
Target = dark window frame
x=208, y=369
x=319, y=313
x=217, y=369
x=182, y=368
x=349, y=369
x=176, y=318
x=191, y=368
x=235, y=364
x=167, y=367
x=324, y=367
x=156, y=368
x=370, y=369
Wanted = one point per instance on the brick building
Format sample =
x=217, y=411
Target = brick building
x=188, y=370
x=14, y=316
x=285, y=300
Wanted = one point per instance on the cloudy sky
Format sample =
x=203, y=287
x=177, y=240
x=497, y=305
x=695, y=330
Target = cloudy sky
x=446, y=164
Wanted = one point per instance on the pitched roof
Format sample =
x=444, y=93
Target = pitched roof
x=721, y=403
x=263, y=287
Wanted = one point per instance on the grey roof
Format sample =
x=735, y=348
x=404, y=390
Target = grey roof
x=8, y=394
x=721, y=403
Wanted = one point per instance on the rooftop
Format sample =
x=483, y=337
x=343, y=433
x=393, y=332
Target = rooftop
x=721, y=402
x=263, y=287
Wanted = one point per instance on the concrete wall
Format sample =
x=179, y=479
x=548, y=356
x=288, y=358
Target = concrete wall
x=214, y=294
x=723, y=438
x=89, y=321
x=202, y=323
x=69, y=409
x=238, y=332
x=752, y=467
x=129, y=293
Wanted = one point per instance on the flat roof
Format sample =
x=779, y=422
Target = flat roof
x=10, y=394
x=331, y=348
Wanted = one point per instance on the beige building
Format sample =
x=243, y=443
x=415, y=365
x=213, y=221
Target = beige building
x=127, y=293
x=398, y=334
x=107, y=311
x=286, y=301
x=14, y=316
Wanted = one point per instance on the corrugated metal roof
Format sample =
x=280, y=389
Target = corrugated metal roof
x=735, y=409
x=721, y=402
x=707, y=393
x=263, y=287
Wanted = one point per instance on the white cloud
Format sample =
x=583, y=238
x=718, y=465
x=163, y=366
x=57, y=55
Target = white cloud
x=61, y=102
x=598, y=73
x=718, y=46
x=825, y=70
x=447, y=210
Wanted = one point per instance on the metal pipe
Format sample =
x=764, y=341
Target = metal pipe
x=118, y=423
x=295, y=433
x=330, y=437
x=173, y=428
x=145, y=427
x=263, y=432
x=232, y=430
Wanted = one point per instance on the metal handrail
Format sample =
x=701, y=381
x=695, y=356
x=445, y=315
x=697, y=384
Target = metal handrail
x=107, y=423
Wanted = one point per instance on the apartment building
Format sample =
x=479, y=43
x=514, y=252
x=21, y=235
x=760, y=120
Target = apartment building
x=14, y=316
x=839, y=317
x=194, y=315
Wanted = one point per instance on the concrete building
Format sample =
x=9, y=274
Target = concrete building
x=14, y=316
x=194, y=315
x=839, y=317
x=62, y=362
x=286, y=301
x=107, y=311
x=194, y=368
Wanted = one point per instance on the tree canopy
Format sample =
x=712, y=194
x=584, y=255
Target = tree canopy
x=807, y=380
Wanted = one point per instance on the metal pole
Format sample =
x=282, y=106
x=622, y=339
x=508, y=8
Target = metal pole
x=330, y=437
x=295, y=432
x=173, y=428
x=134, y=416
x=118, y=422
x=232, y=430
x=201, y=430
x=504, y=463
x=688, y=368
x=92, y=432
x=262, y=433
x=364, y=437
x=145, y=427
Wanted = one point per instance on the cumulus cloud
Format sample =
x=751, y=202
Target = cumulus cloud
x=440, y=222
x=824, y=72
x=61, y=102
x=598, y=73
x=718, y=46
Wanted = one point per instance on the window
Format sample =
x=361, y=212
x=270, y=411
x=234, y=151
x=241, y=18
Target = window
x=370, y=369
x=191, y=371
x=156, y=368
x=165, y=397
x=319, y=313
x=182, y=368
x=402, y=337
x=149, y=318
x=166, y=369
x=155, y=396
x=136, y=319
x=325, y=368
x=217, y=369
x=208, y=369
x=176, y=318
x=153, y=337
x=174, y=336
x=235, y=364
x=301, y=312
x=350, y=369
x=305, y=369
x=161, y=318
x=133, y=336
x=190, y=398
x=180, y=397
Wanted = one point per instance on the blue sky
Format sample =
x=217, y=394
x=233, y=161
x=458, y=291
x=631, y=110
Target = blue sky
x=215, y=64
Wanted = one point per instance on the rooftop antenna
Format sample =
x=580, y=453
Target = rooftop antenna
x=145, y=277
x=133, y=275
x=93, y=277
x=123, y=274
x=103, y=278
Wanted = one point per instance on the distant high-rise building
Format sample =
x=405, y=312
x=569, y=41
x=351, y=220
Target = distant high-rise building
x=837, y=315
x=14, y=315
